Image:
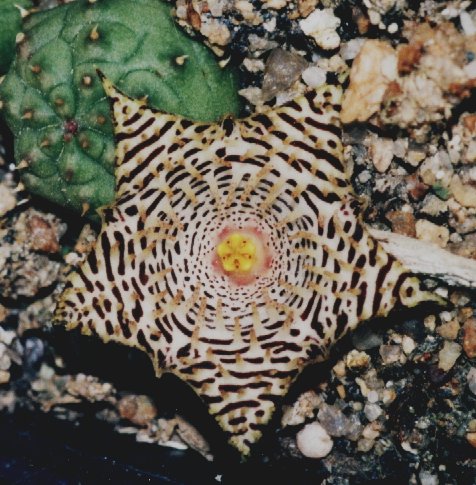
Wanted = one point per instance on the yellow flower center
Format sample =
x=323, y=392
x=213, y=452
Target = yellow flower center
x=237, y=253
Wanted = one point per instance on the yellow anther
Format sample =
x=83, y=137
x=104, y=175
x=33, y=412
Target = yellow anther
x=237, y=253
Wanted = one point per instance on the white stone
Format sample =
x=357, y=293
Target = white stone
x=321, y=26
x=470, y=69
x=471, y=378
x=314, y=76
x=252, y=94
x=372, y=397
x=349, y=50
x=408, y=345
x=374, y=17
x=392, y=28
x=313, y=441
x=427, y=478
x=7, y=336
x=467, y=23
x=372, y=411
x=253, y=65
x=381, y=151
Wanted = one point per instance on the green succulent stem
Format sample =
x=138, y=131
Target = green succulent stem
x=55, y=105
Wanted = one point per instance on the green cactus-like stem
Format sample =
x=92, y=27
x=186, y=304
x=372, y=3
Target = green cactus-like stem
x=55, y=104
x=10, y=26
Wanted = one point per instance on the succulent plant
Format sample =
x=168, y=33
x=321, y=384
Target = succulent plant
x=55, y=105
x=10, y=25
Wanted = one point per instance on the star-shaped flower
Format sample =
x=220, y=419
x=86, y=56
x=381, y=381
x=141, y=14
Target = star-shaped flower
x=234, y=254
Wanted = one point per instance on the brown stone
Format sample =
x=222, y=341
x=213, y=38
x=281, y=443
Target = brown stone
x=465, y=313
x=3, y=313
x=42, y=236
x=409, y=56
x=137, y=409
x=393, y=90
x=402, y=222
x=471, y=437
x=305, y=7
x=462, y=90
x=469, y=337
x=193, y=17
x=416, y=188
x=469, y=122
x=362, y=21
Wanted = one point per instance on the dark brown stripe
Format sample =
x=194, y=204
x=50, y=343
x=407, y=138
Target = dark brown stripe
x=320, y=154
x=324, y=127
x=136, y=132
x=237, y=405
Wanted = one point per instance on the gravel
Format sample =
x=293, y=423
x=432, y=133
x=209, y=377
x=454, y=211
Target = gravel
x=397, y=403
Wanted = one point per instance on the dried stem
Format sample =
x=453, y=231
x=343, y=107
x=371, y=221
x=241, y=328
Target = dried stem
x=427, y=258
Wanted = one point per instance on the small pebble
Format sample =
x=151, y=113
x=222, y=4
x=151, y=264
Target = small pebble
x=3, y=313
x=364, y=445
x=282, y=70
x=469, y=338
x=434, y=206
x=371, y=431
x=467, y=23
x=349, y=50
x=471, y=379
x=471, y=437
x=301, y=410
x=4, y=377
x=464, y=193
x=372, y=411
x=314, y=76
x=138, y=409
x=381, y=152
x=321, y=25
x=355, y=359
x=374, y=68
x=430, y=323
x=372, y=397
x=8, y=200
x=339, y=369
x=426, y=478
x=449, y=330
x=408, y=345
x=336, y=423
x=313, y=441
x=402, y=222
x=388, y=396
x=430, y=232
x=448, y=355
x=390, y=353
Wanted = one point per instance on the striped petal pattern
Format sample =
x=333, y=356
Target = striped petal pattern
x=153, y=282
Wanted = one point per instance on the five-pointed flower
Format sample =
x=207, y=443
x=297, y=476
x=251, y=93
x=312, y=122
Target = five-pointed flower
x=234, y=254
